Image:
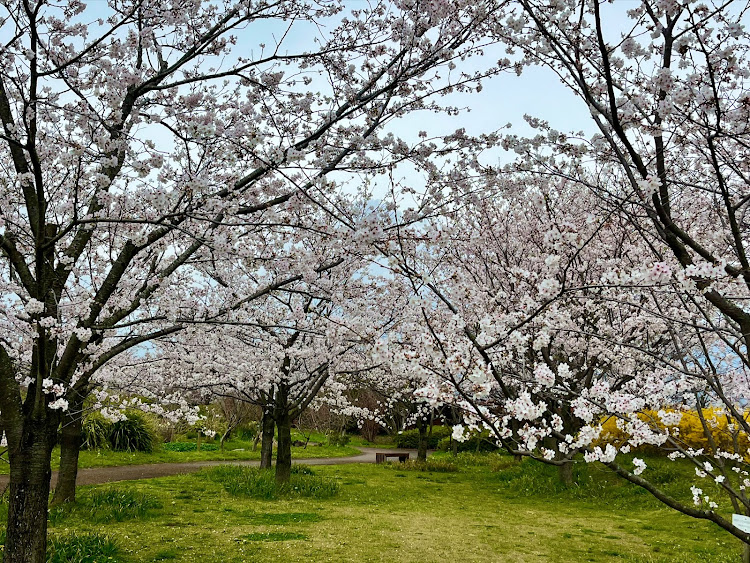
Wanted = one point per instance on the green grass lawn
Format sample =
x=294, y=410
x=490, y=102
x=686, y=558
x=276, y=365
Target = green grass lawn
x=382, y=442
x=233, y=450
x=496, y=511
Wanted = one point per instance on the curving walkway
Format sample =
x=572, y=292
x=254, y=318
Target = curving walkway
x=98, y=475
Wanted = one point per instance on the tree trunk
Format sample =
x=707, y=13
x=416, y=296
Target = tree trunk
x=266, y=442
x=455, y=419
x=284, y=448
x=565, y=473
x=515, y=426
x=224, y=438
x=30, y=473
x=422, y=448
x=71, y=438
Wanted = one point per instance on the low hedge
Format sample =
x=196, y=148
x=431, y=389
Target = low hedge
x=410, y=438
x=477, y=442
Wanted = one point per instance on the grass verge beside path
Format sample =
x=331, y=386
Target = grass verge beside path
x=233, y=451
x=469, y=510
x=106, y=458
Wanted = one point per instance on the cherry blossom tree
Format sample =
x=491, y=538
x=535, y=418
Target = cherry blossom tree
x=396, y=379
x=289, y=349
x=644, y=316
x=668, y=96
x=509, y=314
x=144, y=144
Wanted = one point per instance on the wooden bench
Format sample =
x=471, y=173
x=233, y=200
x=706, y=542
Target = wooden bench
x=380, y=457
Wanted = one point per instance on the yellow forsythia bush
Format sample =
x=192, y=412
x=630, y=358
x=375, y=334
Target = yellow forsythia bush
x=689, y=431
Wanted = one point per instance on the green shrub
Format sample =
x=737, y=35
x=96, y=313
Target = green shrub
x=336, y=439
x=247, y=432
x=96, y=431
x=134, y=434
x=82, y=548
x=410, y=438
x=477, y=442
x=195, y=433
x=261, y=483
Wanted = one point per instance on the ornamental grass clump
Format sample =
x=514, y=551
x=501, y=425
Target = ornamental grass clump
x=96, y=430
x=82, y=548
x=119, y=505
x=133, y=434
x=108, y=505
x=261, y=483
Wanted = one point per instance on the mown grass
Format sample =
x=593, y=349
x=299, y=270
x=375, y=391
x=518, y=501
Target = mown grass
x=273, y=536
x=234, y=450
x=490, y=509
x=592, y=482
x=439, y=465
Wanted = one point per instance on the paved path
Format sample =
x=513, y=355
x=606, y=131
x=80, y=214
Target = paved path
x=97, y=475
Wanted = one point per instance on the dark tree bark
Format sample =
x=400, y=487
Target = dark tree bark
x=515, y=426
x=455, y=418
x=565, y=470
x=284, y=448
x=266, y=440
x=565, y=473
x=71, y=439
x=26, y=533
x=422, y=448
x=31, y=431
